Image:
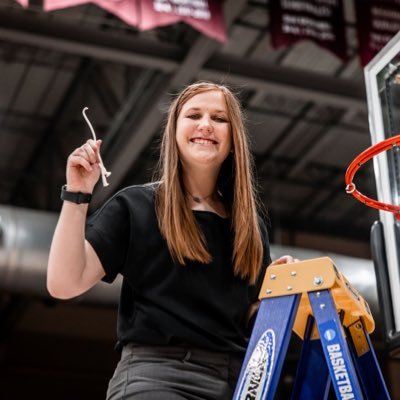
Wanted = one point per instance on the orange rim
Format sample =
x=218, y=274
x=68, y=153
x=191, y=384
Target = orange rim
x=355, y=165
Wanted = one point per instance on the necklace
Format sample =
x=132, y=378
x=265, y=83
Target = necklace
x=199, y=199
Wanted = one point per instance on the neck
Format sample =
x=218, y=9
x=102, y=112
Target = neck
x=198, y=199
x=201, y=191
x=200, y=185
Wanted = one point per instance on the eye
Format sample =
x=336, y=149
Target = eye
x=218, y=118
x=193, y=116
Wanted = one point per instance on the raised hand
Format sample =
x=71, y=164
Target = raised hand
x=83, y=167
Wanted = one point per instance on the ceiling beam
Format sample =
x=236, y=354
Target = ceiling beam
x=46, y=147
x=285, y=81
x=41, y=31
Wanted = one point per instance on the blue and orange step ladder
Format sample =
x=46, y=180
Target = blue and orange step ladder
x=316, y=301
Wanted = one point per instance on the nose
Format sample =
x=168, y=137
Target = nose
x=205, y=124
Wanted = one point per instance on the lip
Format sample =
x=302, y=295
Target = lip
x=208, y=140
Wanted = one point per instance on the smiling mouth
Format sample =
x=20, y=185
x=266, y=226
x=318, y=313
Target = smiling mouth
x=203, y=141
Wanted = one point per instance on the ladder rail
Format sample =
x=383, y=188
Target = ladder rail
x=334, y=345
x=267, y=348
x=311, y=364
x=366, y=363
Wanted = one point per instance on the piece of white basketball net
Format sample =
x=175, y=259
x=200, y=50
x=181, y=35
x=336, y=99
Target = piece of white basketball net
x=104, y=173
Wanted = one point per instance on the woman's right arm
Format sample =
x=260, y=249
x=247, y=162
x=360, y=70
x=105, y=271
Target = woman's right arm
x=73, y=266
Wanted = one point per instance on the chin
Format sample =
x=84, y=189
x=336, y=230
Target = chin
x=215, y=163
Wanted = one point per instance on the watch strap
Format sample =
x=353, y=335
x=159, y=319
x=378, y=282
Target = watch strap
x=75, y=197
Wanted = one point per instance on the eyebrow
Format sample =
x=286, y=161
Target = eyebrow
x=199, y=109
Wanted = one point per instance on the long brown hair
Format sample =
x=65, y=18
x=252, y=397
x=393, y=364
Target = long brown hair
x=175, y=217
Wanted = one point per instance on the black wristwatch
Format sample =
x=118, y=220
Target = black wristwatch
x=75, y=197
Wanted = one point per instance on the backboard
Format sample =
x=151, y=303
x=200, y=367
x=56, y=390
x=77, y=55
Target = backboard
x=382, y=79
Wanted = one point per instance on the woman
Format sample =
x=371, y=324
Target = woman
x=191, y=247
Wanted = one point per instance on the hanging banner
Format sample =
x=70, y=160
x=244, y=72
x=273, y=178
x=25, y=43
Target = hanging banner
x=126, y=10
x=321, y=21
x=377, y=22
x=205, y=16
x=50, y=5
x=23, y=3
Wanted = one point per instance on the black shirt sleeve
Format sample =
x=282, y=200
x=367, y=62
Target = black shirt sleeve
x=108, y=231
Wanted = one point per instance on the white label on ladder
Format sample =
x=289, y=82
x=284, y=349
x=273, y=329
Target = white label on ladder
x=257, y=375
x=337, y=361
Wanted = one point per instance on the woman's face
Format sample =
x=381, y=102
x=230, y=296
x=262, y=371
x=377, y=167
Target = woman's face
x=203, y=132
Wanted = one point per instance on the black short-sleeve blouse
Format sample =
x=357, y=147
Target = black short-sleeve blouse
x=163, y=302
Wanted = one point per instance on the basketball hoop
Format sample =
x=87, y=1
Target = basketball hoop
x=361, y=159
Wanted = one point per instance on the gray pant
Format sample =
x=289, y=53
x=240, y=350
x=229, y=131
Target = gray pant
x=174, y=373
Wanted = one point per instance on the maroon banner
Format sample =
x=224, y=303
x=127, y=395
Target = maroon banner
x=321, y=21
x=204, y=15
x=127, y=10
x=377, y=22
x=24, y=3
x=49, y=5
x=123, y=9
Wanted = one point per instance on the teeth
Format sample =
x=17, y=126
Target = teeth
x=202, y=141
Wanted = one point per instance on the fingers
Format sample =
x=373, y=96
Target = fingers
x=86, y=155
x=90, y=150
x=77, y=160
x=284, y=260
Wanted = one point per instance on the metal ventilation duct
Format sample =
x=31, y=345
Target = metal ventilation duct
x=25, y=237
